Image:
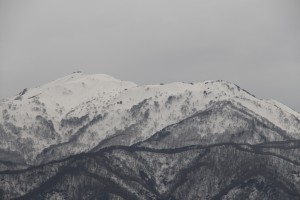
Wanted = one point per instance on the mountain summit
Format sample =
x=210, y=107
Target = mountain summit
x=112, y=120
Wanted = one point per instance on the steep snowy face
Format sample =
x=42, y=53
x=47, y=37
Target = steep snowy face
x=223, y=121
x=80, y=113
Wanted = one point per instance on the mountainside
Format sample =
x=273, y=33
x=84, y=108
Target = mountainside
x=221, y=171
x=114, y=139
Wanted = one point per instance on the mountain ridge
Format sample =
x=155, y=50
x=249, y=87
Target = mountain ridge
x=105, y=101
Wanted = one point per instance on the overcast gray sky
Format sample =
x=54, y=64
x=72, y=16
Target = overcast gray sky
x=253, y=43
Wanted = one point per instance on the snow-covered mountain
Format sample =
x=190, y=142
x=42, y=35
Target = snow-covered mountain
x=81, y=113
x=96, y=137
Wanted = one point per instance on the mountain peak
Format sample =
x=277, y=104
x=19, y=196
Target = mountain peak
x=79, y=76
x=72, y=90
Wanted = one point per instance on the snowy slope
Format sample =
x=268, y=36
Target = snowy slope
x=76, y=113
x=34, y=116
